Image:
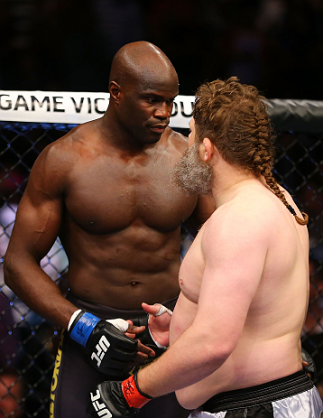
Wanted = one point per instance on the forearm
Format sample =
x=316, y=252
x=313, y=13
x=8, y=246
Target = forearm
x=191, y=358
x=37, y=290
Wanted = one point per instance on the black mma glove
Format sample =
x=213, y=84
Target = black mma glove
x=145, y=337
x=117, y=399
x=108, y=350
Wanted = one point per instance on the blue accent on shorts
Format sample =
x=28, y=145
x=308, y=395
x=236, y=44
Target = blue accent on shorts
x=83, y=328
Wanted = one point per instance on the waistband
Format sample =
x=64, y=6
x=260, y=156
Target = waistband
x=106, y=312
x=256, y=395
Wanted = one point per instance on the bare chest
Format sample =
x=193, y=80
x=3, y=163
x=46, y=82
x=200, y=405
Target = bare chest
x=110, y=195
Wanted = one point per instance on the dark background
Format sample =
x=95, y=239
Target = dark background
x=277, y=45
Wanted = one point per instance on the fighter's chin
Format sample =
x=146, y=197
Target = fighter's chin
x=154, y=133
x=149, y=140
x=153, y=137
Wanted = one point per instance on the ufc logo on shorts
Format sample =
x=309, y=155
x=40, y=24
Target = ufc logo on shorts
x=100, y=408
x=102, y=348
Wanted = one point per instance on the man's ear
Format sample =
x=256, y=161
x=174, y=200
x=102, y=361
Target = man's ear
x=114, y=90
x=208, y=149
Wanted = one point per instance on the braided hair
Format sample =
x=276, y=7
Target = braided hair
x=234, y=117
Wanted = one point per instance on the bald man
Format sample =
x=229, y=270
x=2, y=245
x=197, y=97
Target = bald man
x=105, y=190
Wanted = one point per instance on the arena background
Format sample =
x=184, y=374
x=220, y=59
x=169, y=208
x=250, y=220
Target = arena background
x=31, y=120
x=68, y=45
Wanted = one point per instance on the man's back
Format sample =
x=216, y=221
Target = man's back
x=268, y=292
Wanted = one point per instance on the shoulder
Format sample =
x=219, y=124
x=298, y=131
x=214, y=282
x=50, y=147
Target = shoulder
x=67, y=149
x=176, y=139
x=53, y=166
x=235, y=233
x=246, y=218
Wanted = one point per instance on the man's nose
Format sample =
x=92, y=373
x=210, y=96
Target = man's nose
x=163, y=110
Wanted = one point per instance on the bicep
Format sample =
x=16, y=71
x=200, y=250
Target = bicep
x=36, y=227
x=38, y=216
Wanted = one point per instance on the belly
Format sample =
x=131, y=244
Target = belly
x=250, y=364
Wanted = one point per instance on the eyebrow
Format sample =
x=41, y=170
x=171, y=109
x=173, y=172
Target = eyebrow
x=157, y=95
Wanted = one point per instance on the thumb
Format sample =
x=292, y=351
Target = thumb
x=150, y=309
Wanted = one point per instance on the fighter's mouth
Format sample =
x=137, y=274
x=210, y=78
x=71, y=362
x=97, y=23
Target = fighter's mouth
x=158, y=128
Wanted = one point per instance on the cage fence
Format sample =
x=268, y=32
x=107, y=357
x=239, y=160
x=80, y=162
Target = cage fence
x=28, y=343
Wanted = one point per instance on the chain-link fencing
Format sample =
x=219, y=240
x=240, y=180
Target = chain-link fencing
x=28, y=343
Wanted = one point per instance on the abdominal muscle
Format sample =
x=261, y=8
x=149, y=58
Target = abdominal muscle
x=121, y=273
x=131, y=290
x=124, y=249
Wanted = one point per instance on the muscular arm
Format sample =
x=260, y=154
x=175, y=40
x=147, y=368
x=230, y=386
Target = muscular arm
x=36, y=228
x=234, y=253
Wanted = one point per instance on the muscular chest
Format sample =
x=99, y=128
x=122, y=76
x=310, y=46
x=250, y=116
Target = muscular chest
x=112, y=194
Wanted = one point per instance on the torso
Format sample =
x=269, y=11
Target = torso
x=269, y=346
x=121, y=220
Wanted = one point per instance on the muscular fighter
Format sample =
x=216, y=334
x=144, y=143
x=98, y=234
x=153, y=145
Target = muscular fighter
x=235, y=332
x=105, y=190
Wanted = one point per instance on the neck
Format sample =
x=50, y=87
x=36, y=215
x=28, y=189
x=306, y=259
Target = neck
x=116, y=134
x=228, y=180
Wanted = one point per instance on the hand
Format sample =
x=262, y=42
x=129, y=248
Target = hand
x=143, y=351
x=108, y=349
x=156, y=325
x=117, y=399
x=158, y=322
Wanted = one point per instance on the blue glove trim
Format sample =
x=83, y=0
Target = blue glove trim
x=83, y=328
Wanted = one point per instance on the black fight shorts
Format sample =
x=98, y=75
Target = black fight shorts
x=293, y=396
x=73, y=378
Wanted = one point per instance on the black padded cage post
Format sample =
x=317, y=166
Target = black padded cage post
x=28, y=343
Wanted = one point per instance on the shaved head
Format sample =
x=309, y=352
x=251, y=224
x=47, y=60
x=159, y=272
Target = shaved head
x=143, y=85
x=140, y=61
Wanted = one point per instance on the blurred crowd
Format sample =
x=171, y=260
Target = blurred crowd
x=68, y=45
